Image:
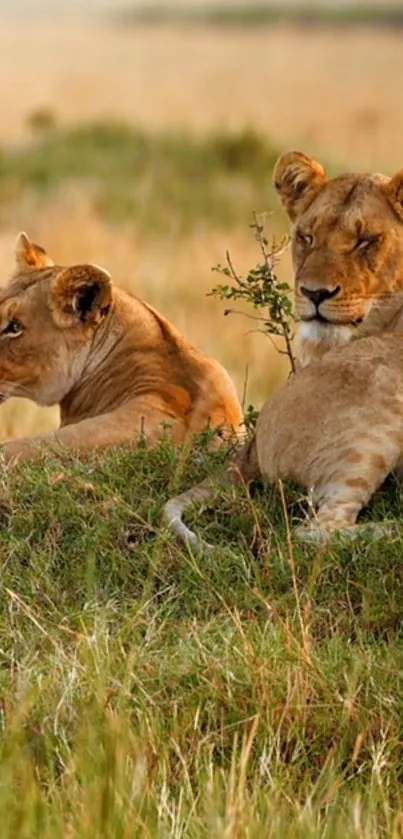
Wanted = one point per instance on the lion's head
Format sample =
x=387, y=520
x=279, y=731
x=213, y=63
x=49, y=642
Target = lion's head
x=347, y=251
x=48, y=317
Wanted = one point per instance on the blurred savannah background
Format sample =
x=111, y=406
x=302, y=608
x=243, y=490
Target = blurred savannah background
x=142, y=137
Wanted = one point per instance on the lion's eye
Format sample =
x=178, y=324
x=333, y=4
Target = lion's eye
x=365, y=240
x=305, y=238
x=13, y=327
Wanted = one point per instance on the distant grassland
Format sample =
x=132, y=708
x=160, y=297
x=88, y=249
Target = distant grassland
x=256, y=14
x=155, y=180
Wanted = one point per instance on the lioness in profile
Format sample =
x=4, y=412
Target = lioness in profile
x=117, y=369
x=337, y=426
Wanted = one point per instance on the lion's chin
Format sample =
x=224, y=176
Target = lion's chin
x=314, y=338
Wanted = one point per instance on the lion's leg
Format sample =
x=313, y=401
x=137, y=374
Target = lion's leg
x=136, y=421
x=341, y=498
x=337, y=516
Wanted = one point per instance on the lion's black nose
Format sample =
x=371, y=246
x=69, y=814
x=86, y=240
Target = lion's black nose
x=318, y=295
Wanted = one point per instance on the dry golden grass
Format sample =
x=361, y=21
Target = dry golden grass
x=329, y=92
x=333, y=91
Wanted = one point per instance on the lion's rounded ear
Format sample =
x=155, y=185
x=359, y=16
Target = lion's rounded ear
x=28, y=255
x=81, y=294
x=394, y=192
x=298, y=179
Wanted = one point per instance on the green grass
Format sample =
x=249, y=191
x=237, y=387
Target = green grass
x=260, y=13
x=160, y=181
x=147, y=692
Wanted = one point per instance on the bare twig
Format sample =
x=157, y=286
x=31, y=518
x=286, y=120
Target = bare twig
x=245, y=386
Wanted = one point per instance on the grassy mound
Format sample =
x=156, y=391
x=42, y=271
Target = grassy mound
x=147, y=692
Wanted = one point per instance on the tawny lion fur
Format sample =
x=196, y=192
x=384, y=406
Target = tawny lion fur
x=337, y=426
x=117, y=369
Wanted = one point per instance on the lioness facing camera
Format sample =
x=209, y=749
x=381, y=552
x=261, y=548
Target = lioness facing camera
x=117, y=369
x=347, y=252
x=337, y=426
